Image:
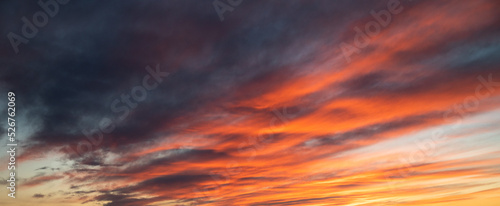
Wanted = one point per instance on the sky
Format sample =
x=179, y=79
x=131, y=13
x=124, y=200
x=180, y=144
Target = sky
x=183, y=102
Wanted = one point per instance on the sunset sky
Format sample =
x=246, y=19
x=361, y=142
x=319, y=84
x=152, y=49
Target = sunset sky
x=285, y=102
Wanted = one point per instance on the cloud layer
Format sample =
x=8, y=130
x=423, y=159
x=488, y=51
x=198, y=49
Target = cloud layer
x=263, y=108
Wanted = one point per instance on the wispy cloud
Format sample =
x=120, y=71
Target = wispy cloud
x=262, y=108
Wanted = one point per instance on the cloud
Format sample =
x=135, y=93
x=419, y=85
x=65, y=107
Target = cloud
x=38, y=196
x=35, y=181
x=261, y=109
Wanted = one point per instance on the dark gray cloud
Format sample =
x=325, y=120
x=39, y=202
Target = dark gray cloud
x=38, y=195
x=92, y=52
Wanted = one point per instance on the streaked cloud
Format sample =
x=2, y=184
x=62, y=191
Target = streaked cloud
x=262, y=108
